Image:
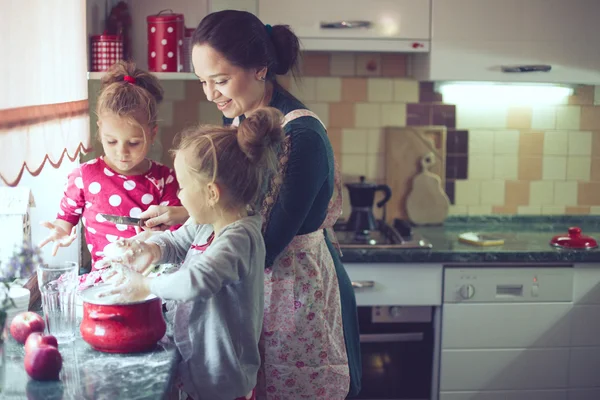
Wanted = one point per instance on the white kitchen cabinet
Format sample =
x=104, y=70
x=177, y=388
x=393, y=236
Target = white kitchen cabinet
x=395, y=25
x=473, y=39
x=396, y=283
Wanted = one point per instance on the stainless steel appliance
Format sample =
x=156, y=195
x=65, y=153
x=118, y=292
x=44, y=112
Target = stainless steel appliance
x=397, y=348
x=383, y=235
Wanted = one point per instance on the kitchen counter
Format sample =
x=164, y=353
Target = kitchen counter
x=89, y=374
x=526, y=241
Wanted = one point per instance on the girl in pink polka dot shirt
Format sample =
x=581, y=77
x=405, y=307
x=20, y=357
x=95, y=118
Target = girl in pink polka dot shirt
x=123, y=181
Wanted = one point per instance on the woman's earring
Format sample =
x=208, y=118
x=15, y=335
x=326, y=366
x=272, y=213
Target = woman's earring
x=262, y=78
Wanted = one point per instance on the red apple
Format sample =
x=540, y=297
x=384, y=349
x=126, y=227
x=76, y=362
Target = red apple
x=36, y=339
x=43, y=363
x=24, y=324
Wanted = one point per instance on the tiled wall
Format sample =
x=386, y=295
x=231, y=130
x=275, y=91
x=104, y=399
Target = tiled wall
x=508, y=160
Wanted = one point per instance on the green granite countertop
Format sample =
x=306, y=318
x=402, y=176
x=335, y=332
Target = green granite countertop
x=527, y=240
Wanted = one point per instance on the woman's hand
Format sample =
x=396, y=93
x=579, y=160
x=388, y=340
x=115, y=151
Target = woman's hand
x=162, y=217
x=133, y=253
x=62, y=234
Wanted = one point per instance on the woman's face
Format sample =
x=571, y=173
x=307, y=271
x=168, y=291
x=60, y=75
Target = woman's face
x=236, y=91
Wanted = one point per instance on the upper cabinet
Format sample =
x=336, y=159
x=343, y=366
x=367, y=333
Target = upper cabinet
x=554, y=41
x=353, y=25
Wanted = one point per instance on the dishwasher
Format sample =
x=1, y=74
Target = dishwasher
x=505, y=333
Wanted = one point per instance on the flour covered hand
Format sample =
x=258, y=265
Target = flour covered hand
x=133, y=253
x=125, y=285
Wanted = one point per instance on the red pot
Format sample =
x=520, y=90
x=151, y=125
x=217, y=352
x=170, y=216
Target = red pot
x=121, y=328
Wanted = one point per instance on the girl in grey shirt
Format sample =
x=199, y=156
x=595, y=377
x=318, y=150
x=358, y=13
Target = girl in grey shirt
x=219, y=287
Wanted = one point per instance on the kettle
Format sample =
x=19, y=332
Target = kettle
x=362, y=198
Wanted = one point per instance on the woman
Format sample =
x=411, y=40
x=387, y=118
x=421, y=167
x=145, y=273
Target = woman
x=306, y=350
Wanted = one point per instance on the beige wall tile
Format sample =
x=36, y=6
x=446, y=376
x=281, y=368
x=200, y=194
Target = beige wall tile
x=506, y=142
x=565, y=193
x=579, y=168
x=596, y=144
x=541, y=193
x=304, y=89
x=519, y=117
x=354, y=89
x=590, y=118
x=353, y=166
x=342, y=64
x=516, y=193
x=375, y=167
x=165, y=113
x=457, y=210
x=367, y=115
x=554, y=168
x=529, y=210
x=543, y=117
x=506, y=167
x=580, y=143
x=595, y=210
x=595, y=169
x=315, y=63
x=468, y=193
x=335, y=138
x=393, y=64
x=380, y=90
x=210, y=114
x=568, y=117
x=368, y=64
x=504, y=210
x=530, y=168
x=553, y=210
x=481, y=167
x=480, y=117
x=321, y=109
x=481, y=142
x=329, y=89
x=341, y=115
x=583, y=95
x=174, y=89
x=588, y=193
x=577, y=210
x=393, y=114
x=492, y=193
x=556, y=143
x=479, y=210
x=531, y=143
x=406, y=91
x=354, y=141
x=597, y=95
x=375, y=141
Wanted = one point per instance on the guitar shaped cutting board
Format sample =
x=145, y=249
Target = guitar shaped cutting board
x=427, y=203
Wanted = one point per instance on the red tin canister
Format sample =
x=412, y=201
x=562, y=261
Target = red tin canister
x=105, y=50
x=165, y=42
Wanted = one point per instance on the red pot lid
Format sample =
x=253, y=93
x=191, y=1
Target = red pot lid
x=574, y=240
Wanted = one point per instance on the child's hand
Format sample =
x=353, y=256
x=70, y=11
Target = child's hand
x=162, y=217
x=133, y=253
x=125, y=285
x=59, y=235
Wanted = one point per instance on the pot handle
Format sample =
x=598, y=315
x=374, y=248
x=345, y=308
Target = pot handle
x=388, y=194
x=100, y=316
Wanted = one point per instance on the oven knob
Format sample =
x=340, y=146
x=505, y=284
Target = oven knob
x=467, y=291
x=395, y=312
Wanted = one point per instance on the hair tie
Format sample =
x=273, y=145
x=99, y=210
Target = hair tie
x=129, y=79
x=269, y=29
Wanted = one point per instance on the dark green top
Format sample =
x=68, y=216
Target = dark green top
x=301, y=208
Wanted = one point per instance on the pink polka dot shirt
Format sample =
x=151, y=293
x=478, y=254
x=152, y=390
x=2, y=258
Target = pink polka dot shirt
x=94, y=188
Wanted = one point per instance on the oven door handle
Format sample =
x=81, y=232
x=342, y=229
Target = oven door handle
x=391, y=337
x=363, y=284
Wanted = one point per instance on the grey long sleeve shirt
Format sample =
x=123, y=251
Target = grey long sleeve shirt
x=218, y=319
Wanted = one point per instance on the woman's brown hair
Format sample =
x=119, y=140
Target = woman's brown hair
x=241, y=159
x=130, y=92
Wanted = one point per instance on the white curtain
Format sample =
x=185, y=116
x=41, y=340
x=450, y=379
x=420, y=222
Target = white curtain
x=44, y=114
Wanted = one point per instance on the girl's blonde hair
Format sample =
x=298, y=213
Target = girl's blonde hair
x=130, y=93
x=240, y=159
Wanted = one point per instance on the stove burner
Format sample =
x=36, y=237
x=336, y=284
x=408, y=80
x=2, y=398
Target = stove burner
x=385, y=236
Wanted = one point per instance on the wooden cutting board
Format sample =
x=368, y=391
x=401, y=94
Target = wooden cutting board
x=427, y=202
x=404, y=150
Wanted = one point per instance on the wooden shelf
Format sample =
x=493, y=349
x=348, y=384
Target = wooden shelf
x=182, y=76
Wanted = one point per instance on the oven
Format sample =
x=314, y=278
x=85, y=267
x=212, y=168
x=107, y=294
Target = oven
x=397, y=349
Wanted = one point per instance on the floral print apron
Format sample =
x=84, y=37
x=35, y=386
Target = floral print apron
x=302, y=346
